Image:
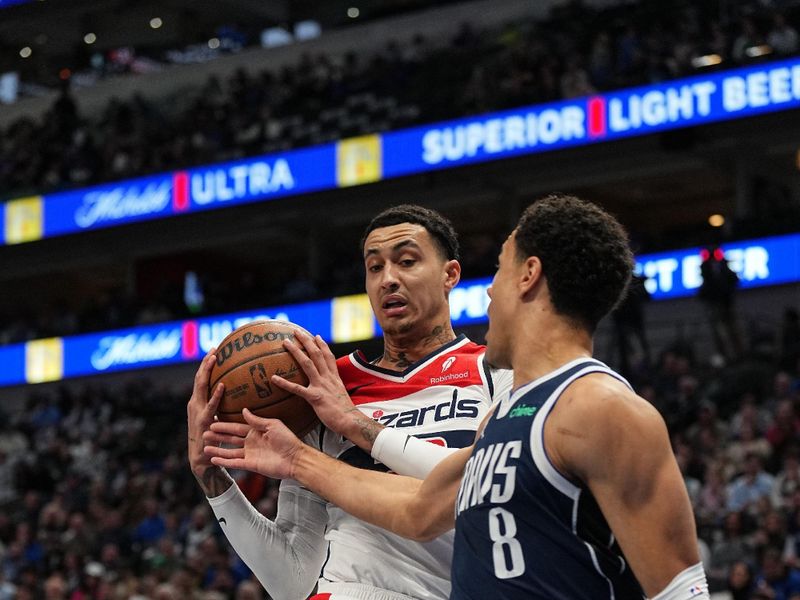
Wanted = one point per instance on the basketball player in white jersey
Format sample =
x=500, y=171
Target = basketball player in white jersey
x=571, y=491
x=429, y=383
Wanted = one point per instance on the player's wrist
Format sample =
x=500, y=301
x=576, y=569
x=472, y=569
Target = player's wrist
x=300, y=464
x=356, y=427
x=213, y=480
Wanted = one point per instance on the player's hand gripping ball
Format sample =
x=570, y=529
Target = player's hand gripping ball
x=246, y=360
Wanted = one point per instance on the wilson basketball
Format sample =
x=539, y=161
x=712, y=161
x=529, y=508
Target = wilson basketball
x=246, y=360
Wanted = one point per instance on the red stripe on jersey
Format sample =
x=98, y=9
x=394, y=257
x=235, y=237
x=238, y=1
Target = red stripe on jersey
x=456, y=367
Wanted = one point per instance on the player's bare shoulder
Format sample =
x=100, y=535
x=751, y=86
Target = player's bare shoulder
x=600, y=398
x=597, y=417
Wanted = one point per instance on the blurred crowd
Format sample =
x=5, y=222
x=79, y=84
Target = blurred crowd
x=97, y=501
x=576, y=51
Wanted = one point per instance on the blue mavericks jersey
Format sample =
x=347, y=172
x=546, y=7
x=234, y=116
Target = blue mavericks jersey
x=523, y=531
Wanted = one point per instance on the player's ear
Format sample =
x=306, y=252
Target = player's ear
x=530, y=274
x=452, y=271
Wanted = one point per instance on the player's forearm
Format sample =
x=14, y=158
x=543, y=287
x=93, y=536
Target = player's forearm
x=359, y=428
x=213, y=480
x=383, y=499
x=285, y=555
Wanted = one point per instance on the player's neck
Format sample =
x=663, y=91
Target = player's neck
x=402, y=350
x=539, y=349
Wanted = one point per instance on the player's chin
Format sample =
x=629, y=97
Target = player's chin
x=495, y=358
x=397, y=325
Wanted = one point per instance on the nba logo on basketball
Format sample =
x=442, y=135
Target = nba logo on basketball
x=259, y=376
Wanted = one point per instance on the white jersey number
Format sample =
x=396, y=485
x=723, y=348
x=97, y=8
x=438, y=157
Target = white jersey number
x=501, y=519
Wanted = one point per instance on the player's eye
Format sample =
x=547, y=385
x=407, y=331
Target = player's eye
x=408, y=262
x=374, y=268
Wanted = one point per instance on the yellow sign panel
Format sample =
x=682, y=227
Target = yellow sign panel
x=352, y=319
x=44, y=360
x=359, y=160
x=24, y=220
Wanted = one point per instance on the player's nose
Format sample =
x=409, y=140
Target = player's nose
x=389, y=278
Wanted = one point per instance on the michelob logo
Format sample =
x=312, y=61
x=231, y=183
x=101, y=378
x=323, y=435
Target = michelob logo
x=352, y=319
x=24, y=220
x=359, y=160
x=44, y=360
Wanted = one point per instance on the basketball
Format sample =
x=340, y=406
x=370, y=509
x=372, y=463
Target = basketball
x=246, y=360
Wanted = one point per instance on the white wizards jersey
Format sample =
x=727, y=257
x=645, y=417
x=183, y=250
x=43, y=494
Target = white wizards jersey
x=441, y=398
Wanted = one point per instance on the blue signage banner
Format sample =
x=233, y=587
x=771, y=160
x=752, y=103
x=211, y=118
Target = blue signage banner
x=13, y=360
x=115, y=203
x=165, y=195
x=637, y=111
x=692, y=101
x=675, y=274
x=758, y=262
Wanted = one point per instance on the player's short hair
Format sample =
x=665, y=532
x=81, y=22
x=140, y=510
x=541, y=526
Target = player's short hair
x=437, y=225
x=585, y=254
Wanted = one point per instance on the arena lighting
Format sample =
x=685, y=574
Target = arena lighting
x=709, y=60
x=90, y=38
x=213, y=43
x=156, y=22
x=716, y=220
x=25, y=52
x=756, y=51
x=353, y=12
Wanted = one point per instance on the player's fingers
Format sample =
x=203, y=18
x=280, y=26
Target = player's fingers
x=330, y=359
x=302, y=359
x=256, y=422
x=214, y=401
x=224, y=452
x=203, y=372
x=291, y=387
x=210, y=437
x=240, y=429
x=229, y=463
x=313, y=350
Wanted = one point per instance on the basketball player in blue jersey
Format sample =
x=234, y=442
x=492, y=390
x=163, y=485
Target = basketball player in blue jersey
x=430, y=384
x=571, y=490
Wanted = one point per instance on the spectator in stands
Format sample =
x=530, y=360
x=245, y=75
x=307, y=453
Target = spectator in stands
x=787, y=482
x=749, y=413
x=740, y=581
x=713, y=498
x=717, y=294
x=782, y=37
x=747, y=489
x=749, y=441
x=784, y=432
x=776, y=580
x=629, y=326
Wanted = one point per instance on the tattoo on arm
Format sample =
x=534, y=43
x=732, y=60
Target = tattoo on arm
x=368, y=428
x=214, y=481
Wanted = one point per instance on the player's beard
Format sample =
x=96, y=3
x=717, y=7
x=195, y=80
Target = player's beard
x=402, y=328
